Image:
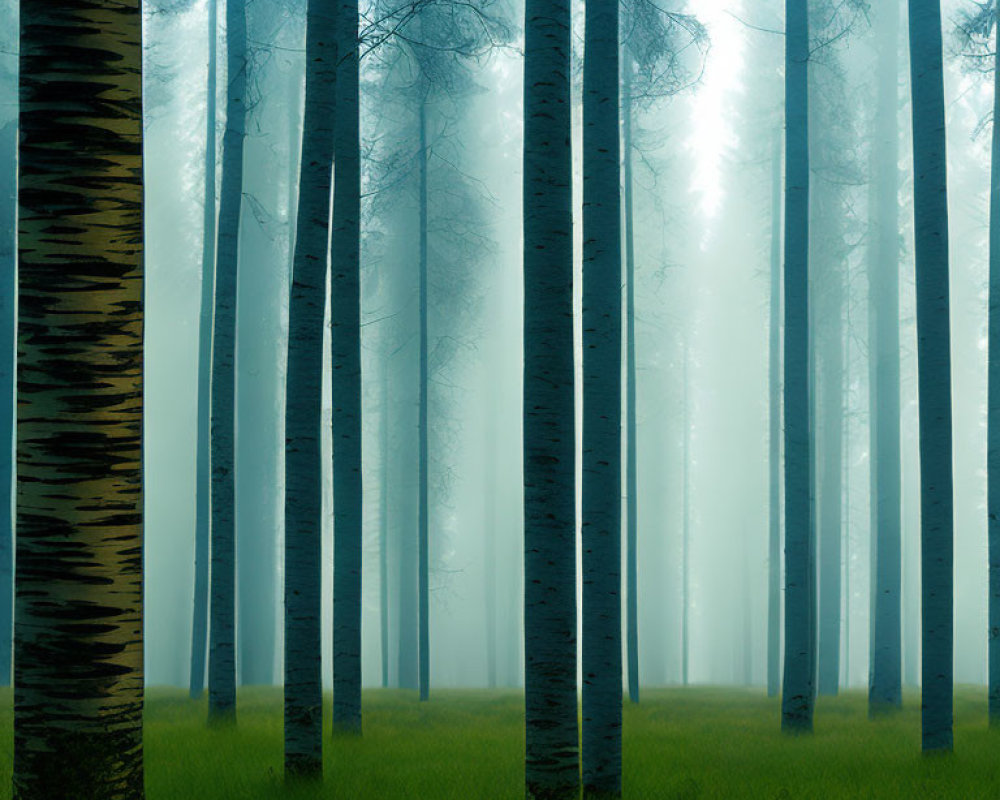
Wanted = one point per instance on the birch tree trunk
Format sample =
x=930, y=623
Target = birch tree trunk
x=78, y=695
x=203, y=462
x=930, y=208
x=304, y=414
x=885, y=681
x=222, y=631
x=602, y=402
x=552, y=741
x=345, y=343
x=799, y=685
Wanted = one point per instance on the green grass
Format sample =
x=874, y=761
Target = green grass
x=464, y=745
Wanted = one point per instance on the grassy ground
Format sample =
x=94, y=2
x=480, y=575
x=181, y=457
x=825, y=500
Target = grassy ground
x=679, y=743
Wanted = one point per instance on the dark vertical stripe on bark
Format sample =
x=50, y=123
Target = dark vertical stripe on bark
x=203, y=461
x=552, y=741
x=345, y=313
x=930, y=220
x=303, y=414
x=78, y=631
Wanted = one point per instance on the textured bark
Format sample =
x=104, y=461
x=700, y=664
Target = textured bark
x=930, y=210
x=551, y=731
x=885, y=678
x=774, y=432
x=222, y=630
x=303, y=414
x=423, y=508
x=602, y=403
x=8, y=323
x=631, y=447
x=78, y=695
x=203, y=463
x=799, y=685
x=993, y=414
x=345, y=345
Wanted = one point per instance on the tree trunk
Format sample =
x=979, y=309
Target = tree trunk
x=345, y=315
x=799, y=684
x=885, y=682
x=222, y=630
x=551, y=730
x=993, y=419
x=78, y=695
x=203, y=465
x=303, y=410
x=8, y=370
x=383, y=524
x=423, y=510
x=930, y=207
x=774, y=432
x=602, y=403
x=491, y=560
x=685, y=522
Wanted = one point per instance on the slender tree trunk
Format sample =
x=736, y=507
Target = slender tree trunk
x=203, y=462
x=930, y=207
x=383, y=524
x=78, y=678
x=222, y=630
x=423, y=509
x=685, y=524
x=345, y=315
x=602, y=404
x=552, y=735
x=774, y=433
x=885, y=681
x=491, y=561
x=303, y=410
x=631, y=446
x=8, y=370
x=799, y=685
x=993, y=419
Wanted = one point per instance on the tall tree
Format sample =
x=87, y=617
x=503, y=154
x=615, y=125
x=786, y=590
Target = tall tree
x=602, y=399
x=798, y=685
x=551, y=730
x=8, y=323
x=885, y=681
x=303, y=410
x=203, y=463
x=78, y=627
x=345, y=346
x=930, y=209
x=993, y=419
x=222, y=630
x=774, y=432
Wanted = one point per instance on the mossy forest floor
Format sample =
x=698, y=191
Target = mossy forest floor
x=468, y=745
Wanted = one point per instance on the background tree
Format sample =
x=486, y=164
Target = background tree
x=78, y=628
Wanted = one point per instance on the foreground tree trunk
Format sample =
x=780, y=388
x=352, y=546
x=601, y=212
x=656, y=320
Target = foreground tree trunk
x=602, y=400
x=800, y=558
x=303, y=414
x=222, y=631
x=885, y=682
x=8, y=324
x=78, y=632
x=203, y=464
x=345, y=343
x=930, y=209
x=552, y=767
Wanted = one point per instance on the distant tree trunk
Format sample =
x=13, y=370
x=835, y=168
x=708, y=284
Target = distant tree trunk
x=799, y=684
x=774, y=432
x=491, y=560
x=993, y=420
x=885, y=682
x=406, y=585
x=602, y=403
x=78, y=674
x=552, y=735
x=631, y=447
x=685, y=523
x=423, y=510
x=383, y=523
x=8, y=371
x=203, y=462
x=303, y=409
x=222, y=630
x=934, y=371
x=345, y=315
